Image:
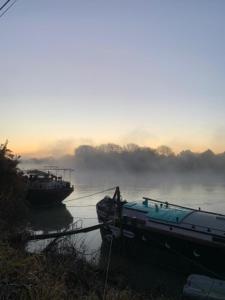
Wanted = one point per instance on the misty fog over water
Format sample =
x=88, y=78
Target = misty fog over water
x=190, y=179
x=193, y=190
x=135, y=159
x=187, y=178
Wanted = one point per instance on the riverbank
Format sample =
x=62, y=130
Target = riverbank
x=57, y=272
x=56, y=275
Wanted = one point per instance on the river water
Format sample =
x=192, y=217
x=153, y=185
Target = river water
x=193, y=190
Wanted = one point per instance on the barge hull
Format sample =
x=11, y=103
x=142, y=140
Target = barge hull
x=49, y=197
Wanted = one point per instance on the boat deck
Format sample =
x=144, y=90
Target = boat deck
x=201, y=221
x=160, y=212
x=212, y=222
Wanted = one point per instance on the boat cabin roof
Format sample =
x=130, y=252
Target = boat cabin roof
x=161, y=212
x=38, y=174
x=187, y=218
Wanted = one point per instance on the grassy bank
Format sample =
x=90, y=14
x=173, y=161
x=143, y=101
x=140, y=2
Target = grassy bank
x=53, y=275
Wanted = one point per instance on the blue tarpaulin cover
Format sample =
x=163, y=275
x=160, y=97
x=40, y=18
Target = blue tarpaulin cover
x=166, y=213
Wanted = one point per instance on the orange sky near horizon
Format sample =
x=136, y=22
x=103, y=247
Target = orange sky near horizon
x=145, y=72
x=61, y=147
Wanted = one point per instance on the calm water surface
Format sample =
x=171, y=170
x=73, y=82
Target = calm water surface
x=198, y=190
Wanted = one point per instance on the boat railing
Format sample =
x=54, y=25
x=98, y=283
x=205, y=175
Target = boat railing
x=77, y=225
x=196, y=228
x=184, y=207
x=193, y=227
x=208, y=229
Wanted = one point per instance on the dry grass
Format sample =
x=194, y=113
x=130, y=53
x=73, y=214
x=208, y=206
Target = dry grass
x=53, y=275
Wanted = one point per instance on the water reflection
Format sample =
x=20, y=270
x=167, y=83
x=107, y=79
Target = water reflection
x=146, y=268
x=152, y=267
x=193, y=190
x=54, y=219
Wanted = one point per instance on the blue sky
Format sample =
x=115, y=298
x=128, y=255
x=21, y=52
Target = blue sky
x=149, y=72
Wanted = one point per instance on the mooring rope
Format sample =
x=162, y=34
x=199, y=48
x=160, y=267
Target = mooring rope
x=107, y=269
x=109, y=260
x=86, y=218
x=81, y=205
x=90, y=195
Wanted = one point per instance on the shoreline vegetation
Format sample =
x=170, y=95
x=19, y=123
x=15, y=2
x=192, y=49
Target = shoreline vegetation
x=55, y=273
x=135, y=159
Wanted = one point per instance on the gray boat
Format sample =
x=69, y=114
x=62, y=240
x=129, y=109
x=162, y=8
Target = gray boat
x=45, y=188
x=196, y=234
x=203, y=287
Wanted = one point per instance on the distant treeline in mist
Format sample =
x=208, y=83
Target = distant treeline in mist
x=133, y=158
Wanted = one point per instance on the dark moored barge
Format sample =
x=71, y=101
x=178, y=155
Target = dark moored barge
x=193, y=233
x=45, y=189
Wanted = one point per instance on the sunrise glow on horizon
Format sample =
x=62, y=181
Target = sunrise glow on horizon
x=92, y=72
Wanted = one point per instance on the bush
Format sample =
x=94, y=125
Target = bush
x=13, y=209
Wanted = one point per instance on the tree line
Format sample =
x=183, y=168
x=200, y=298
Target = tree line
x=133, y=158
x=140, y=159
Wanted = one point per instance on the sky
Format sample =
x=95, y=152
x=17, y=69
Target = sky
x=150, y=72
